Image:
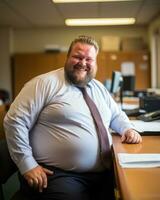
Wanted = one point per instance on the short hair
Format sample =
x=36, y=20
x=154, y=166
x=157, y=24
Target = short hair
x=86, y=40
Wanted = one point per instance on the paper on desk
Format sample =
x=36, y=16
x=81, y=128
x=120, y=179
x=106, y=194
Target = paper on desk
x=128, y=160
x=142, y=126
x=127, y=106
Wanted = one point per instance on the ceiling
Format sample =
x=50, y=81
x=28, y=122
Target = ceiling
x=45, y=13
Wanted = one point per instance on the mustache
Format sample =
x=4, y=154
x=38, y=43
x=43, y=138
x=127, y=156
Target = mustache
x=80, y=66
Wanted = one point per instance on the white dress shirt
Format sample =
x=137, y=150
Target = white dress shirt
x=49, y=122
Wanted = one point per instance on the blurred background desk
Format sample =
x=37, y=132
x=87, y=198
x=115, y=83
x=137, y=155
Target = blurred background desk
x=137, y=183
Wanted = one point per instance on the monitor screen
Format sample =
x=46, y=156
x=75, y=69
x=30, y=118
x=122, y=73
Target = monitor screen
x=129, y=83
x=116, y=82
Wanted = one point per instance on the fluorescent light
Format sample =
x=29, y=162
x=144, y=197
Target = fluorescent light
x=81, y=1
x=99, y=21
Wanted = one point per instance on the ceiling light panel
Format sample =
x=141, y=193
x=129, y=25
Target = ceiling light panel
x=99, y=21
x=82, y=1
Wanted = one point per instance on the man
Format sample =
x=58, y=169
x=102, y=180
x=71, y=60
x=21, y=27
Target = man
x=51, y=133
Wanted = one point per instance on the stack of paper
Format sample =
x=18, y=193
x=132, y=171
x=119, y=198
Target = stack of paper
x=126, y=106
x=142, y=126
x=127, y=160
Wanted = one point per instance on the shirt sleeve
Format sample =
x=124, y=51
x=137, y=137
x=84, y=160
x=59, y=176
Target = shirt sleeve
x=20, y=119
x=119, y=120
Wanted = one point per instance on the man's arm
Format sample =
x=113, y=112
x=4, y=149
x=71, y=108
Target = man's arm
x=122, y=125
x=18, y=122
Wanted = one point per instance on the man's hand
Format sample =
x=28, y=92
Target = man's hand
x=131, y=136
x=37, y=177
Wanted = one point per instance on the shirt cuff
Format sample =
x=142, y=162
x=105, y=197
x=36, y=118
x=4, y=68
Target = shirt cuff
x=27, y=164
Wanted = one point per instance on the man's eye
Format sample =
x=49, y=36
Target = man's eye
x=77, y=57
x=89, y=60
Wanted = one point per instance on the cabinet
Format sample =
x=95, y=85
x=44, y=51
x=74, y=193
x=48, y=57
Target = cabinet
x=26, y=66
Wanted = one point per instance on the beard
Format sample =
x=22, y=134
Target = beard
x=78, y=75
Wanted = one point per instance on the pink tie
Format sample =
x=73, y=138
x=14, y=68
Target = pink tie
x=101, y=130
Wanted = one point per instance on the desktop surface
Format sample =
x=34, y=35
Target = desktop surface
x=137, y=183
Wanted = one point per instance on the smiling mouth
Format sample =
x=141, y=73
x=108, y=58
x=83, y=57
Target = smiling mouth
x=81, y=68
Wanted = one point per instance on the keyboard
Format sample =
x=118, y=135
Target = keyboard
x=133, y=112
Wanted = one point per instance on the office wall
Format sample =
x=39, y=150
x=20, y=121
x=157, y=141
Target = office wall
x=154, y=36
x=5, y=49
x=34, y=40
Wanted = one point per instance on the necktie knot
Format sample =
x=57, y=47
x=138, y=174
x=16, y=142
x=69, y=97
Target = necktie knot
x=83, y=89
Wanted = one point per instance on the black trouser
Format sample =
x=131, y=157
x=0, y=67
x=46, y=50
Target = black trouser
x=64, y=185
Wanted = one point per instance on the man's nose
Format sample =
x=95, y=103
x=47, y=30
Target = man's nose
x=83, y=62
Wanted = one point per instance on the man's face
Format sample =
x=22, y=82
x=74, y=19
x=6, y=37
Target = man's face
x=81, y=65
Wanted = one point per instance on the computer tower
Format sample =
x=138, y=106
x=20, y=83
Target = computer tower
x=128, y=83
x=149, y=103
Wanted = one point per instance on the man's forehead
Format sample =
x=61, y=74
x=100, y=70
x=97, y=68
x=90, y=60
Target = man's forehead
x=80, y=46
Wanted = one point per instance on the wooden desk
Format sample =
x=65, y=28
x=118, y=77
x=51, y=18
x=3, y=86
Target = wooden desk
x=131, y=100
x=141, y=183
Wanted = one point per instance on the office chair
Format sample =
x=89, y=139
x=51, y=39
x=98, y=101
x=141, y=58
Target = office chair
x=7, y=168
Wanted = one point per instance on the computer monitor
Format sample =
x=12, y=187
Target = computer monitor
x=116, y=82
x=129, y=83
